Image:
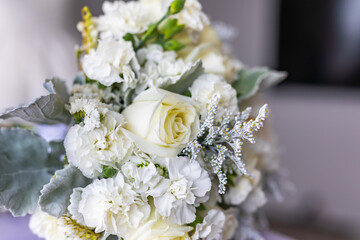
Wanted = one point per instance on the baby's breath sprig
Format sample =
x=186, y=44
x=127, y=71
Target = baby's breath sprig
x=222, y=140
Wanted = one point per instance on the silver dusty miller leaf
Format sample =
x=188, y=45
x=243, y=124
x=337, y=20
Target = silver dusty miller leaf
x=25, y=166
x=49, y=109
x=55, y=195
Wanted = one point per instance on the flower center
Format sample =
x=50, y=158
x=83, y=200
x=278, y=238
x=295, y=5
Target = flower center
x=180, y=189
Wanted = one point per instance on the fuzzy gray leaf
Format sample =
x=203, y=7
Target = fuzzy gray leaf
x=24, y=169
x=251, y=81
x=55, y=195
x=187, y=79
x=57, y=86
x=48, y=109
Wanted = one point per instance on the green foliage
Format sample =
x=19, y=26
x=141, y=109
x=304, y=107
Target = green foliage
x=187, y=79
x=171, y=28
x=55, y=195
x=109, y=171
x=173, y=45
x=48, y=109
x=163, y=33
x=251, y=81
x=25, y=166
x=130, y=38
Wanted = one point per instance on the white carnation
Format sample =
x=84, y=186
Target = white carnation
x=231, y=223
x=108, y=61
x=192, y=15
x=63, y=228
x=157, y=228
x=123, y=17
x=204, y=88
x=212, y=226
x=243, y=186
x=255, y=200
x=160, y=67
x=188, y=184
x=144, y=177
x=106, y=145
x=46, y=226
x=111, y=205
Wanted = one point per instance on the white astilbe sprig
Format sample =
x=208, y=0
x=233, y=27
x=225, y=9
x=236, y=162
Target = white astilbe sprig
x=223, y=140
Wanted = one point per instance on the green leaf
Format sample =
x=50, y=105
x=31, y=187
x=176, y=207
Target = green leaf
x=171, y=28
x=109, y=171
x=55, y=195
x=48, y=109
x=24, y=169
x=187, y=79
x=251, y=81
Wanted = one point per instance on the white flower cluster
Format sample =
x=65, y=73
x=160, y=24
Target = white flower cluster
x=158, y=134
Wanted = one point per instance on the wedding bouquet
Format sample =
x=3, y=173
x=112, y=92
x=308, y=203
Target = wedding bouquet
x=160, y=139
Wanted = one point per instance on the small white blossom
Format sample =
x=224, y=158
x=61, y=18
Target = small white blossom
x=206, y=86
x=123, y=17
x=106, y=145
x=111, y=59
x=111, y=205
x=93, y=110
x=188, y=184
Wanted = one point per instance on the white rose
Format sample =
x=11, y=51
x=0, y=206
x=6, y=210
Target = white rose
x=207, y=85
x=188, y=184
x=157, y=228
x=108, y=61
x=212, y=226
x=161, y=122
x=123, y=17
x=106, y=145
x=111, y=205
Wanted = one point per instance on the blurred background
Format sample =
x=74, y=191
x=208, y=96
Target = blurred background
x=315, y=112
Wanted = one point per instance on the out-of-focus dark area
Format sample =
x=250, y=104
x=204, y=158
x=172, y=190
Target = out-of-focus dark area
x=315, y=113
x=319, y=42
